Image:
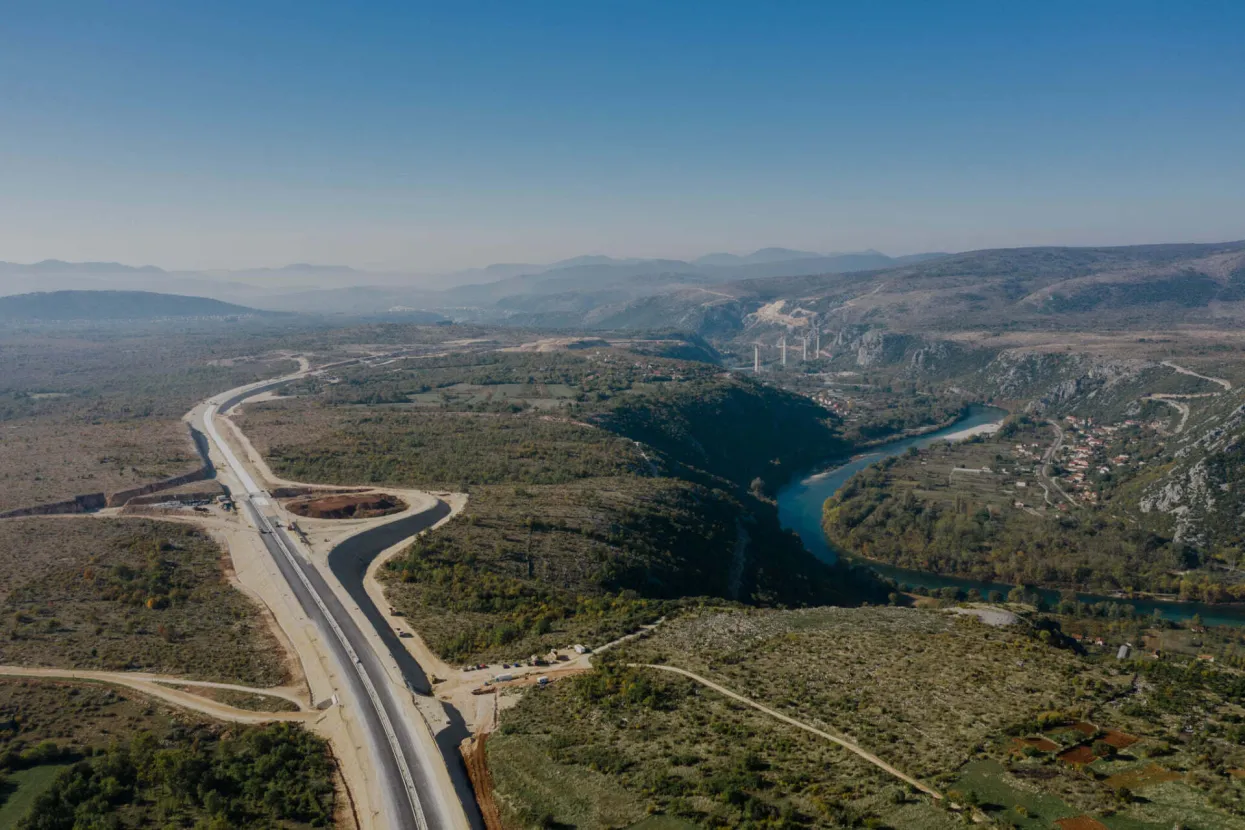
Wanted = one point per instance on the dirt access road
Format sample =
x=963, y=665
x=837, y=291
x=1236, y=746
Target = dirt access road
x=1226, y=384
x=156, y=685
x=821, y=733
x=1047, y=457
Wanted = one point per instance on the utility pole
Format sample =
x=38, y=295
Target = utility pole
x=784, y=351
x=817, y=348
x=756, y=359
x=804, y=343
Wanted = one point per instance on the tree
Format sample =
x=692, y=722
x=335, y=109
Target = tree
x=1103, y=749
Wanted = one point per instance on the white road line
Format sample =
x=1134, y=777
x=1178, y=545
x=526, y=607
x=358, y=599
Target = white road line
x=259, y=496
x=391, y=735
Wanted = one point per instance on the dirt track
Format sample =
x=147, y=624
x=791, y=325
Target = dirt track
x=843, y=742
x=153, y=685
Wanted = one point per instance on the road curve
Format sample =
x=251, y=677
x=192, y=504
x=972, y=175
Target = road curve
x=1049, y=457
x=152, y=685
x=415, y=801
x=1226, y=384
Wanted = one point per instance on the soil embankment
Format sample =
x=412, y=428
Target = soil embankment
x=476, y=760
x=348, y=506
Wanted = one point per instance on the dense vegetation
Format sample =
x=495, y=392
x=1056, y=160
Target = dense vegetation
x=870, y=518
x=272, y=776
x=985, y=509
x=734, y=428
x=98, y=757
x=537, y=566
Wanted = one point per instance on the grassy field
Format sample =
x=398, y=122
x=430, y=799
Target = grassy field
x=22, y=788
x=922, y=689
x=86, y=410
x=355, y=444
x=128, y=594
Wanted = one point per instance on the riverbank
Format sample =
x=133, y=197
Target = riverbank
x=800, y=505
x=914, y=432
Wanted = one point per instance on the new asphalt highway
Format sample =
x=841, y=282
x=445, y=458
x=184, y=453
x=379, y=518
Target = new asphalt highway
x=403, y=761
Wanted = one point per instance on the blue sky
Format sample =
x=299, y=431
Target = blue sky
x=442, y=135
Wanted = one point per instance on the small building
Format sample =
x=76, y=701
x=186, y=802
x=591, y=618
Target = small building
x=1124, y=651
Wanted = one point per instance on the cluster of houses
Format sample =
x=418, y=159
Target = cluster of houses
x=1091, y=449
x=833, y=402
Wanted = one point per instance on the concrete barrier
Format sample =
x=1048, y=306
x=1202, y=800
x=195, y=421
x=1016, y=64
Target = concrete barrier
x=96, y=501
x=78, y=504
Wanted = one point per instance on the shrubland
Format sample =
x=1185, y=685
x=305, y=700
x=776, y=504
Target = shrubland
x=1015, y=724
x=128, y=595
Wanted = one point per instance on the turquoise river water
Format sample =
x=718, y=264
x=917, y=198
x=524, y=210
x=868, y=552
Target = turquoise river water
x=801, y=500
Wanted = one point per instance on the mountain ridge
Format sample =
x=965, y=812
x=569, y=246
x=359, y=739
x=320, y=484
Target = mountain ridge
x=75, y=306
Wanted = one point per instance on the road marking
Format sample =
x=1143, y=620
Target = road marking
x=386, y=724
x=257, y=497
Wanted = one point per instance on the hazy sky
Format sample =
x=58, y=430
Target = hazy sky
x=448, y=134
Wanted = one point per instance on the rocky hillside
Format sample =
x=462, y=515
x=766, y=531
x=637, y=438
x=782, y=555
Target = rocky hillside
x=1064, y=288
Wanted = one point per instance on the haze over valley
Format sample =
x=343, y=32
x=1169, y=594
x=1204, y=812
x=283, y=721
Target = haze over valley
x=849, y=431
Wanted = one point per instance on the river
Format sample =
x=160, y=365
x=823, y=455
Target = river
x=800, y=503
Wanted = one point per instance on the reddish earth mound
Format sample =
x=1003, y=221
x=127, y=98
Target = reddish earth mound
x=1078, y=756
x=1040, y=744
x=1118, y=739
x=351, y=506
x=1081, y=823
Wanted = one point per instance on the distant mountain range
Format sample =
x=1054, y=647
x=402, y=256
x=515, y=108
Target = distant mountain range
x=1074, y=288
x=98, y=306
x=338, y=288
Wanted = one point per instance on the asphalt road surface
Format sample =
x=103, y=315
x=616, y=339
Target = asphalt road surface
x=415, y=802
